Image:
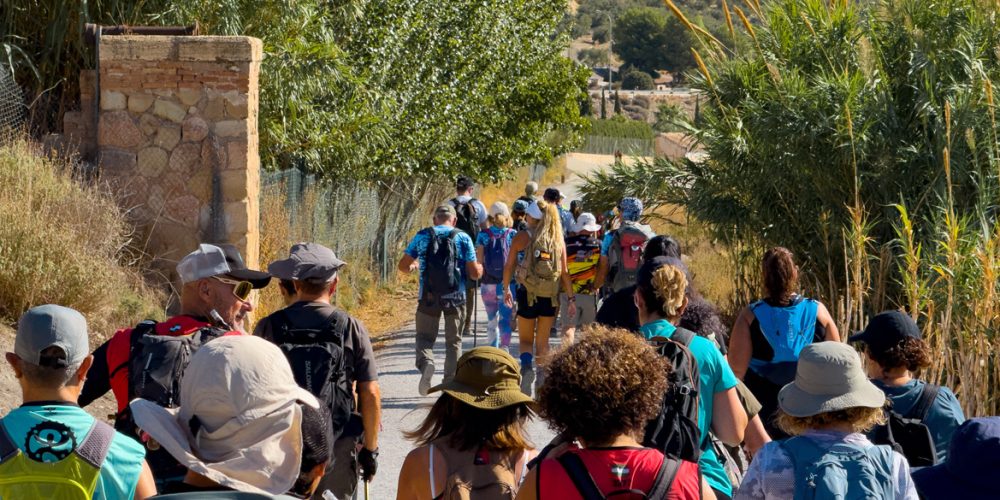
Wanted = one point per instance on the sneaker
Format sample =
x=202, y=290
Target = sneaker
x=426, y=374
x=527, y=381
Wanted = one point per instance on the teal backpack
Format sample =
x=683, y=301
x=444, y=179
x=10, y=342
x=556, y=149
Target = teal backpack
x=842, y=472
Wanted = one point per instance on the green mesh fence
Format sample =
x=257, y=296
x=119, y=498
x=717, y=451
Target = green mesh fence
x=359, y=221
x=604, y=145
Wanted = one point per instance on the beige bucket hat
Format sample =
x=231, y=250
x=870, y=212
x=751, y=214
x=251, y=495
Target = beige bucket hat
x=239, y=422
x=828, y=378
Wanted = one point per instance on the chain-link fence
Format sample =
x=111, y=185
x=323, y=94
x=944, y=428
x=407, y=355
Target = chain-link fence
x=362, y=222
x=12, y=105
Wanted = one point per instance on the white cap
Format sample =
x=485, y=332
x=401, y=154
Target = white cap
x=533, y=211
x=586, y=222
x=499, y=208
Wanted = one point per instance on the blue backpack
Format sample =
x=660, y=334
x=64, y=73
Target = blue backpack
x=787, y=330
x=495, y=256
x=842, y=472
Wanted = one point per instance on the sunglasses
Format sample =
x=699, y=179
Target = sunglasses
x=241, y=289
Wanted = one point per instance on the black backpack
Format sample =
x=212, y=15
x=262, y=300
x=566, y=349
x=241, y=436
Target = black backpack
x=319, y=362
x=467, y=217
x=907, y=434
x=441, y=273
x=587, y=487
x=156, y=364
x=674, y=431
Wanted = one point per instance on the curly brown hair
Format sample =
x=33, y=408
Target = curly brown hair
x=913, y=353
x=861, y=419
x=608, y=384
x=781, y=275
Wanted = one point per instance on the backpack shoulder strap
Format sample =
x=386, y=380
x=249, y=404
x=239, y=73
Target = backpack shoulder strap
x=454, y=233
x=927, y=396
x=578, y=473
x=665, y=478
x=7, y=447
x=94, y=448
x=683, y=336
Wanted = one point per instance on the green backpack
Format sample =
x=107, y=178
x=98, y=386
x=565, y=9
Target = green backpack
x=843, y=471
x=74, y=477
x=539, y=272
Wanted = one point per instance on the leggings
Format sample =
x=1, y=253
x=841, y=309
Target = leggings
x=498, y=315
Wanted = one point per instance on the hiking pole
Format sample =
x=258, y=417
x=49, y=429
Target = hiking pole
x=367, y=496
x=475, y=316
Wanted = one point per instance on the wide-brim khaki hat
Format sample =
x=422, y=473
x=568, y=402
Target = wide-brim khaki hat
x=829, y=378
x=487, y=378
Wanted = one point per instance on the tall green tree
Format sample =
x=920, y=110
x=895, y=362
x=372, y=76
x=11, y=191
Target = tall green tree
x=651, y=39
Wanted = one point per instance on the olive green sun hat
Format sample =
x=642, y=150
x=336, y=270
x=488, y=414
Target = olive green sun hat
x=487, y=378
x=829, y=377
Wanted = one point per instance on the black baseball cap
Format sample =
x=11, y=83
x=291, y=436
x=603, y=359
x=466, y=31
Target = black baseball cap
x=886, y=330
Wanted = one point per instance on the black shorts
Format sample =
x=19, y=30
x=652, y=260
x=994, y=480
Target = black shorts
x=543, y=306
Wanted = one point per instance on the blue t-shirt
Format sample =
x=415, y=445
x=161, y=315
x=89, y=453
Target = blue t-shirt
x=716, y=376
x=417, y=249
x=483, y=238
x=121, y=469
x=943, y=417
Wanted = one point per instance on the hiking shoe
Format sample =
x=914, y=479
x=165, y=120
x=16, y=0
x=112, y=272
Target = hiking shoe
x=527, y=380
x=426, y=374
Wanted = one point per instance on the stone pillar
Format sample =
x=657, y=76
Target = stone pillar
x=177, y=139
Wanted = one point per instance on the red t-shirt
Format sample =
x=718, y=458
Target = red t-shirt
x=615, y=469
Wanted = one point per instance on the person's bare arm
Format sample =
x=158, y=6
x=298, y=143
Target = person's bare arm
x=529, y=487
x=740, y=346
x=602, y=272
x=146, y=487
x=370, y=399
x=407, y=264
x=519, y=243
x=480, y=253
x=729, y=421
x=824, y=318
x=707, y=493
x=474, y=270
x=756, y=436
x=567, y=283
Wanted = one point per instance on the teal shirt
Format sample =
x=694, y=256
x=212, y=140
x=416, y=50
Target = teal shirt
x=120, y=470
x=716, y=376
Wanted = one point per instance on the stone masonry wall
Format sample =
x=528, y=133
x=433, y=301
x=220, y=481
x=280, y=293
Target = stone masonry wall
x=177, y=137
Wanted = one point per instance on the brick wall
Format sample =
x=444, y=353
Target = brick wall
x=177, y=138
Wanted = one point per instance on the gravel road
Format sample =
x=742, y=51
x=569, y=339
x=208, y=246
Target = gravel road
x=403, y=408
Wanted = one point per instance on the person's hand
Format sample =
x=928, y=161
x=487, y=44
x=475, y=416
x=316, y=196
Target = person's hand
x=368, y=460
x=414, y=266
x=572, y=308
x=508, y=298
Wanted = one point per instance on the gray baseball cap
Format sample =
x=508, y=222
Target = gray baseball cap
x=307, y=262
x=218, y=260
x=52, y=326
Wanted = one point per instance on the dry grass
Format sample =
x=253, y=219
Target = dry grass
x=65, y=242
x=509, y=191
x=381, y=307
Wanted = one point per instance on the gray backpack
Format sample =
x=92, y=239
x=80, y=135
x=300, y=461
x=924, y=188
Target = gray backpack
x=843, y=471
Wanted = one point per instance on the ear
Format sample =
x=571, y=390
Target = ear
x=81, y=373
x=640, y=302
x=15, y=363
x=333, y=285
x=205, y=290
x=684, y=306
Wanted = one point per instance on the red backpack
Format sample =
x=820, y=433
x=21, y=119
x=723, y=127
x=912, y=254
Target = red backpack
x=625, y=254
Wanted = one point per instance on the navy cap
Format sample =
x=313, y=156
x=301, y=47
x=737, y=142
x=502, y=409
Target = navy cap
x=886, y=330
x=973, y=459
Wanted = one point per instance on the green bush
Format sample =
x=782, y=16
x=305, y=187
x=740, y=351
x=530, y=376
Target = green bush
x=636, y=79
x=622, y=127
x=65, y=243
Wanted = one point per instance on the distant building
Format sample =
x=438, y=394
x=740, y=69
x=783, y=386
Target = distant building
x=663, y=82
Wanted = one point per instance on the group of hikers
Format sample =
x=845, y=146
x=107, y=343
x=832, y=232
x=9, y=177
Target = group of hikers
x=651, y=395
